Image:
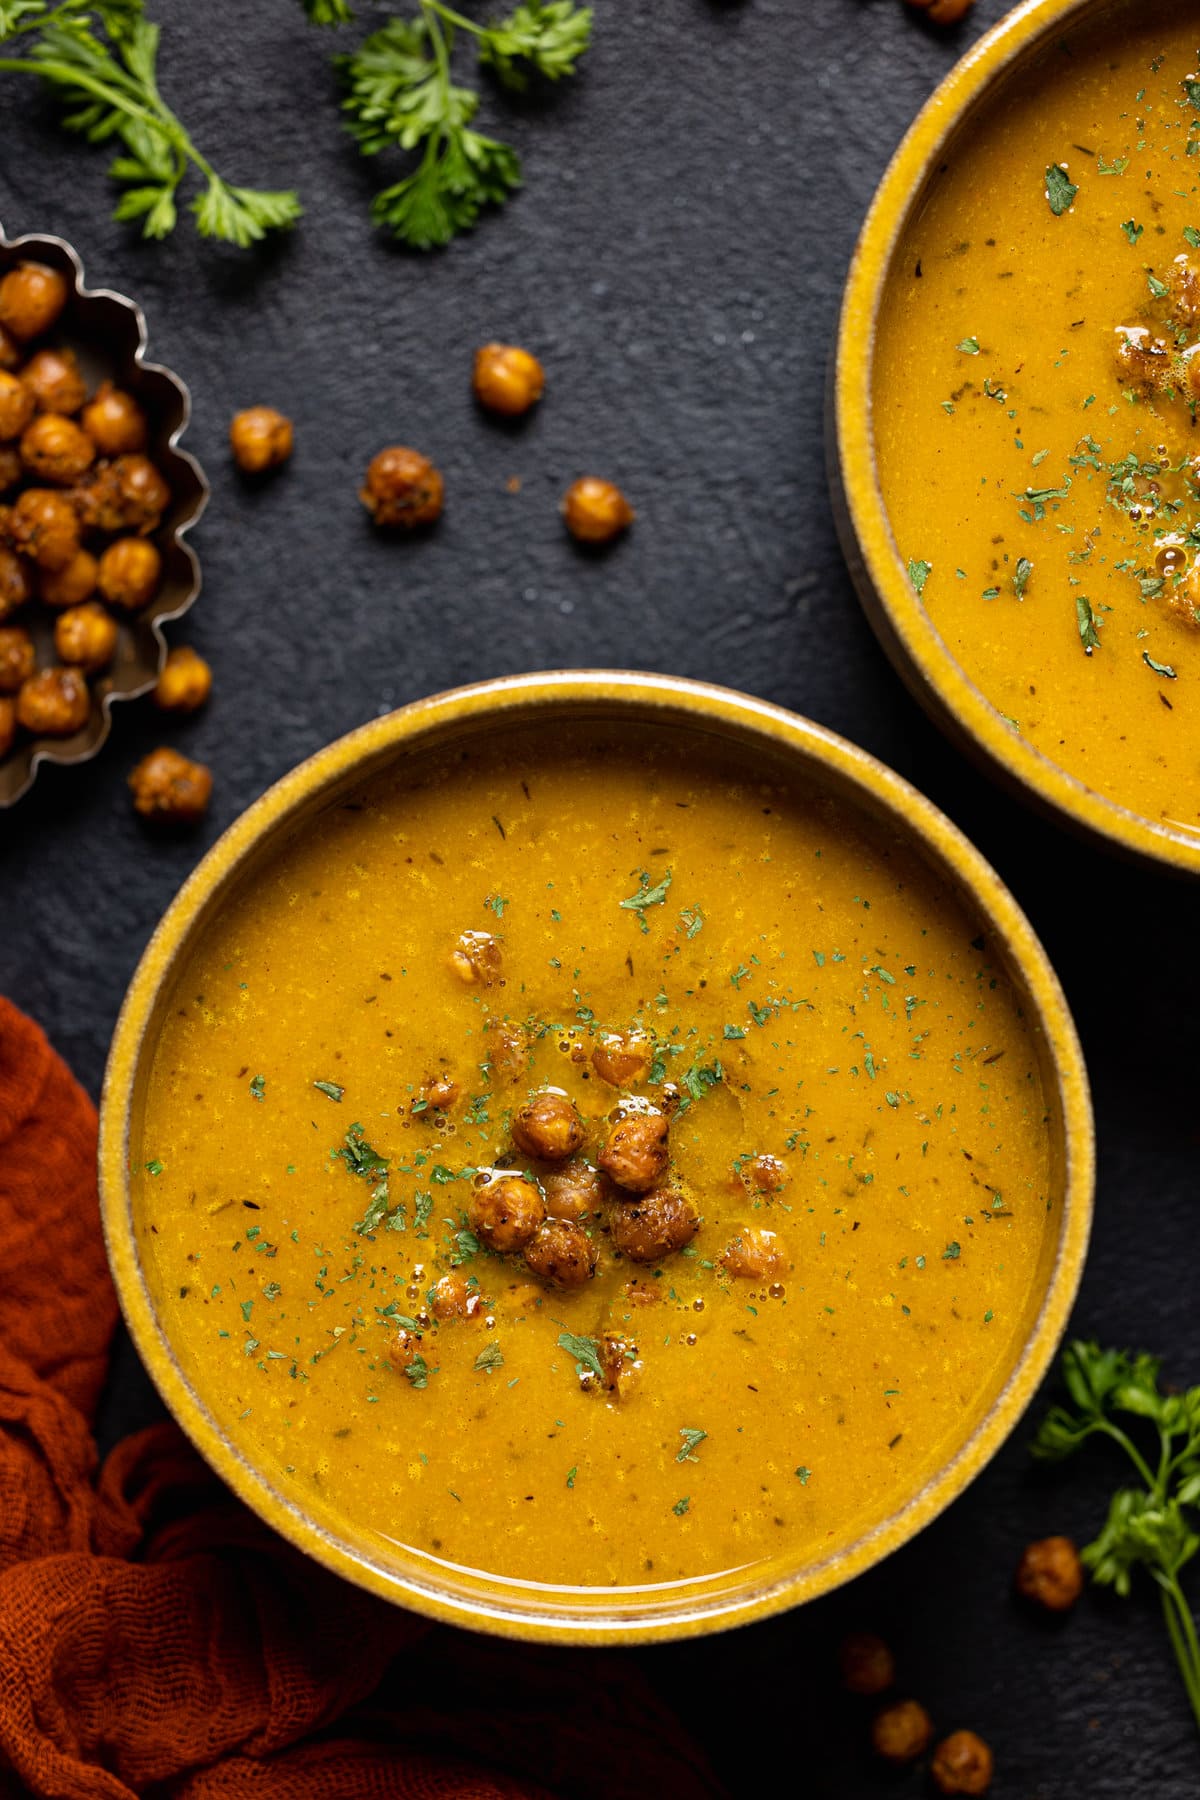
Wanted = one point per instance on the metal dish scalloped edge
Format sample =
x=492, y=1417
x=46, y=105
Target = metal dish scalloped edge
x=109, y=333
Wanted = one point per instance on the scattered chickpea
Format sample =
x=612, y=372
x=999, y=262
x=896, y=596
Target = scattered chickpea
x=508, y=379
x=867, y=1664
x=185, y=683
x=596, y=511
x=54, y=703
x=505, y=1212
x=8, y=725
x=654, y=1225
x=548, y=1126
x=57, y=449
x=17, y=658
x=943, y=12
x=169, y=789
x=127, y=494
x=1051, y=1574
x=129, y=572
x=55, y=380
x=71, y=585
x=901, y=1732
x=753, y=1253
x=453, y=1297
x=45, y=525
x=476, y=959
x=16, y=406
x=31, y=298
x=403, y=1350
x=15, y=584
x=261, y=438
x=573, y=1190
x=86, y=636
x=114, y=421
x=402, y=489
x=636, y=1152
x=766, y=1173
x=622, y=1057
x=439, y=1093
x=962, y=1764
x=561, y=1254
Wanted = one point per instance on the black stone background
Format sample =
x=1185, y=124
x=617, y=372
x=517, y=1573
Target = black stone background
x=677, y=259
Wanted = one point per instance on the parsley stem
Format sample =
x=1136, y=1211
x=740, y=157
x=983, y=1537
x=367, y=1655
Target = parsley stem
x=1182, y=1633
x=454, y=18
x=1134, y=1454
x=70, y=76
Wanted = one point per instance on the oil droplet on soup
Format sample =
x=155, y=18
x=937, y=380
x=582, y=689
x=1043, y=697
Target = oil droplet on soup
x=1034, y=394
x=854, y=1114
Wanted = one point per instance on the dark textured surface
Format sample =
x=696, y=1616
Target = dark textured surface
x=676, y=258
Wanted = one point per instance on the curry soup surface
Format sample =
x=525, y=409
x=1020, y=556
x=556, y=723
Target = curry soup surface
x=1034, y=405
x=815, y=994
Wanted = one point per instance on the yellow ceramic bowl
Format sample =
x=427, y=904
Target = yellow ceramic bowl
x=783, y=743
x=900, y=622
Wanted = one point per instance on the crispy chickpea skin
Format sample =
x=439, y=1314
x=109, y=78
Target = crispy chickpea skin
x=54, y=379
x=16, y=587
x=1050, y=1573
x=71, y=585
x=943, y=12
x=56, y=449
x=548, y=1127
x=16, y=406
x=561, y=1254
x=476, y=959
x=402, y=489
x=129, y=572
x=622, y=1058
x=86, y=636
x=454, y=1297
x=901, y=1732
x=962, y=1764
x=127, y=494
x=185, y=683
x=508, y=379
x=31, y=298
x=170, y=789
x=752, y=1252
x=114, y=421
x=505, y=1212
x=8, y=725
x=866, y=1663
x=45, y=525
x=596, y=511
x=17, y=658
x=261, y=438
x=636, y=1152
x=654, y=1226
x=54, y=703
x=574, y=1190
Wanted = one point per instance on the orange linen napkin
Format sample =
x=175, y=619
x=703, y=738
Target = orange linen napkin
x=156, y=1639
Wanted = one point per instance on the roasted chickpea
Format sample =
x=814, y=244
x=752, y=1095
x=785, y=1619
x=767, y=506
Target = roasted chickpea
x=127, y=494
x=620, y=1363
x=1051, y=1573
x=16, y=585
x=86, y=636
x=17, y=658
x=10, y=351
x=962, y=1764
x=439, y=1093
x=766, y=1174
x=260, y=438
x=186, y=680
x=574, y=1190
x=508, y=1044
x=753, y=1252
x=505, y=1212
x=56, y=449
x=548, y=1127
x=508, y=379
x=403, y=1350
x=169, y=789
x=476, y=959
x=31, y=298
x=402, y=489
x=943, y=12
x=1143, y=360
x=16, y=406
x=54, y=379
x=561, y=1254
x=45, y=525
x=902, y=1731
x=596, y=511
x=54, y=703
x=636, y=1152
x=128, y=573
x=71, y=585
x=654, y=1226
x=114, y=421
x=8, y=726
x=622, y=1058
x=867, y=1664
x=455, y=1296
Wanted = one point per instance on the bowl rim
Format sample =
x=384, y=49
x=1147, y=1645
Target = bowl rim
x=932, y=673
x=520, y=700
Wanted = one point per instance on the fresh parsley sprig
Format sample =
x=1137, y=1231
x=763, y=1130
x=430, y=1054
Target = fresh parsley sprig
x=100, y=58
x=1150, y=1526
x=400, y=94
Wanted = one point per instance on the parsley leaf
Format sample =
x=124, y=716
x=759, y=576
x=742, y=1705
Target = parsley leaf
x=1159, y=668
x=1060, y=189
x=918, y=574
x=330, y=1089
x=1089, y=637
x=692, y=1438
x=1020, y=580
x=548, y=38
x=586, y=1352
x=490, y=1358
x=647, y=896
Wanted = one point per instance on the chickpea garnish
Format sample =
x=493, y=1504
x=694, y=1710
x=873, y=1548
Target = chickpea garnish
x=185, y=683
x=17, y=658
x=54, y=703
x=31, y=298
x=902, y=1731
x=8, y=725
x=261, y=438
x=508, y=379
x=127, y=494
x=16, y=406
x=129, y=572
x=636, y=1152
x=114, y=421
x=622, y=1057
x=505, y=1212
x=867, y=1664
x=54, y=379
x=86, y=636
x=1051, y=1573
x=943, y=12
x=477, y=959
x=56, y=449
x=45, y=525
x=962, y=1764
x=548, y=1126
x=596, y=511
x=71, y=585
x=402, y=489
x=169, y=789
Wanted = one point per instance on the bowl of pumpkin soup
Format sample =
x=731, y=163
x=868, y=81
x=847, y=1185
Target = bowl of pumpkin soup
x=1013, y=415
x=595, y=1157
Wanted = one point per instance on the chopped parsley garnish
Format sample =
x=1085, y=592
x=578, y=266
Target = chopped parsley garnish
x=918, y=574
x=1089, y=637
x=969, y=346
x=1159, y=668
x=692, y=1437
x=154, y=1167
x=417, y=1372
x=490, y=1358
x=329, y=1088
x=366, y=1162
x=1158, y=288
x=803, y=1475
x=699, y=1079
x=735, y=1031
x=952, y=1252
x=1060, y=189
x=647, y=896
x=681, y=1506
x=692, y=920
x=586, y=1352
x=258, y=1086
x=571, y=1474
x=1132, y=232
x=1021, y=574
